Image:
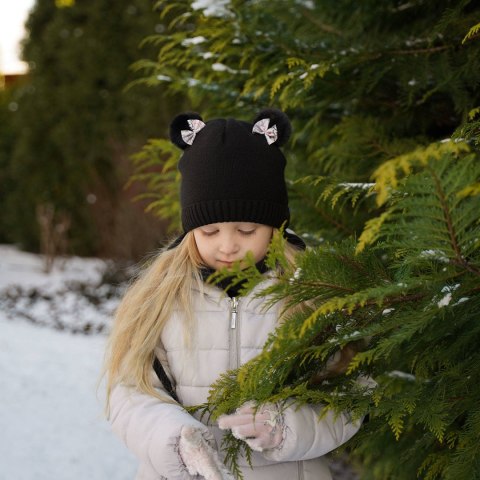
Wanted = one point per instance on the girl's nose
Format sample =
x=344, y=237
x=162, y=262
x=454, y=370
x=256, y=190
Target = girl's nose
x=228, y=245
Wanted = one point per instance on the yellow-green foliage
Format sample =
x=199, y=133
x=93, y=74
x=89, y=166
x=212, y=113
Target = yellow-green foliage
x=371, y=231
x=471, y=190
x=387, y=175
x=472, y=33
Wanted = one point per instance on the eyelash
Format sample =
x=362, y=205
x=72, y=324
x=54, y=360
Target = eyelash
x=245, y=233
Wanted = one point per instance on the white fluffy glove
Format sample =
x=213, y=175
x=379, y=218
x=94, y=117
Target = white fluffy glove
x=261, y=429
x=200, y=457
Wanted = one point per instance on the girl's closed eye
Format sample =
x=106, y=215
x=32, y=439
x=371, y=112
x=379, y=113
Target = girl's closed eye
x=209, y=233
x=247, y=232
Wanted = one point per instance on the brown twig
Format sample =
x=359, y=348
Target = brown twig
x=420, y=50
x=321, y=25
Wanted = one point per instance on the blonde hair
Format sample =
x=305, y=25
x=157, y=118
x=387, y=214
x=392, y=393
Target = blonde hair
x=145, y=309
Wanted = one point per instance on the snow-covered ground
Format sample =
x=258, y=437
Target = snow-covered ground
x=78, y=295
x=51, y=415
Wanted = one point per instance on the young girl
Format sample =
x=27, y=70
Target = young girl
x=174, y=334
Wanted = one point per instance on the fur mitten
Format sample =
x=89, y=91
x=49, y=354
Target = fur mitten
x=200, y=457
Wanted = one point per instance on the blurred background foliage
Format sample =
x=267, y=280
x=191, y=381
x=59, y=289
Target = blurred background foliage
x=69, y=127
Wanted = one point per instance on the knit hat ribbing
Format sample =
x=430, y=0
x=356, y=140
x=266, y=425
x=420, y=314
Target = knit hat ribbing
x=230, y=173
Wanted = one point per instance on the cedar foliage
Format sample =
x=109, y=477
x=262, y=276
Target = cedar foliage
x=384, y=179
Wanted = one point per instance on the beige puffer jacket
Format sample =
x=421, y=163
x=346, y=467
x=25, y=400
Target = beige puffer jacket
x=224, y=339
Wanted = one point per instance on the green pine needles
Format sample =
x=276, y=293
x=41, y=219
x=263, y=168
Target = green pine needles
x=407, y=308
x=384, y=183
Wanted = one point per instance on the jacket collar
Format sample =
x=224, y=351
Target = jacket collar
x=224, y=284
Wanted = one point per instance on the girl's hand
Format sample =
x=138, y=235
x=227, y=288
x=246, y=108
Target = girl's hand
x=200, y=457
x=261, y=429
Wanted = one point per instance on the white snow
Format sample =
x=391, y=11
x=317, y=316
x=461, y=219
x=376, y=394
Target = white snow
x=72, y=297
x=403, y=375
x=450, y=288
x=212, y=8
x=362, y=186
x=27, y=269
x=436, y=255
x=221, y=67
x=445, y=300
x=51, y=414
x=193, y=41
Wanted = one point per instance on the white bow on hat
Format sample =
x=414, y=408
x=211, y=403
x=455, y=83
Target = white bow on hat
x=261, y=127
x=195, y=125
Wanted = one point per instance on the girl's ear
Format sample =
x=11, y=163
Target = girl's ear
x=183, y=130
x=278, y=119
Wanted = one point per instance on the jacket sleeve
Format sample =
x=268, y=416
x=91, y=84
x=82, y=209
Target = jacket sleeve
x=306, y=436
x=150, y=428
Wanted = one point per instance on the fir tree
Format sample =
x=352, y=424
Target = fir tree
x=384, y=180
x=77, y=123
x=8, y=104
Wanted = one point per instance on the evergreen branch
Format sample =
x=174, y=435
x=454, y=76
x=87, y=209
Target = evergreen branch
x=321, y=25
x=472, y=33
x=389, y=301
x=323, y=214
x=357, y=301
x=384, y=302
x=448, y=220
x=473, y=113
x=446, y=213
x=233, y=448
x=345, y=259
x=330, y=286
x=386, y=175
x=371, y=231
x=420, y=50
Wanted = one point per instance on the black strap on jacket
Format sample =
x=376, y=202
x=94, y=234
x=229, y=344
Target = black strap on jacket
x=162, y=376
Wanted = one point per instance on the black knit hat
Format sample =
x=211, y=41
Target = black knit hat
x=232, y=170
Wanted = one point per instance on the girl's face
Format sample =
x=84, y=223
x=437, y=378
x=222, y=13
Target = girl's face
x=221, y=244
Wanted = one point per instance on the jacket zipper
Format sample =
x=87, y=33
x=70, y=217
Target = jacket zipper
x=233, y=318
x=301, y=475
x=234, y=334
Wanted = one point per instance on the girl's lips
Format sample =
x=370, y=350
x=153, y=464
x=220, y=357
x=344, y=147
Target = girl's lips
x=225, y=262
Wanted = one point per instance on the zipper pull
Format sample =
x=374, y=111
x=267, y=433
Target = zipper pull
x=233, y=320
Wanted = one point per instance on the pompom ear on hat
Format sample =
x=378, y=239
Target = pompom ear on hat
x=184, y=128
x=276, y=120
